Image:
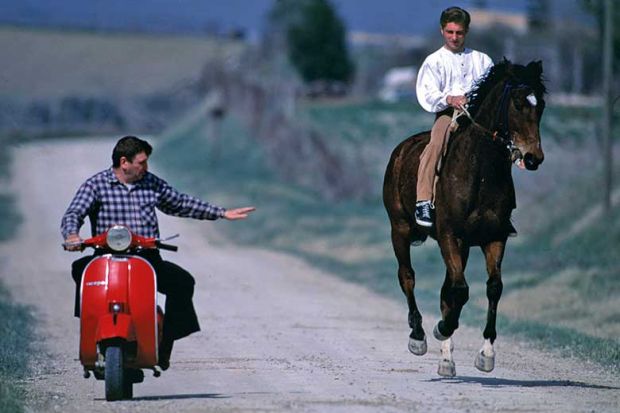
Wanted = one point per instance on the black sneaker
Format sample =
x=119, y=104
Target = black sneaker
x=423, y=213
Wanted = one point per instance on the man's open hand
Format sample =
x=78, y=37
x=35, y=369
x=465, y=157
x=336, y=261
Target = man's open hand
x=238, y=213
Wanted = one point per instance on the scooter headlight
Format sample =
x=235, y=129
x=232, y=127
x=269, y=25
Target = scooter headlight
x=118, y=238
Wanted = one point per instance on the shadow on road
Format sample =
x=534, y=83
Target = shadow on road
x=182, y=396
x=498, y=382
x=194, y=396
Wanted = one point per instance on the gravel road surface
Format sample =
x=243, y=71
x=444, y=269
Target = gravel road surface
x=277, y=334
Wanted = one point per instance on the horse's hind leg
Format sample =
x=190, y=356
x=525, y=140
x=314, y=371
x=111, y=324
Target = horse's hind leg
x=494, y=253
x=401, y=240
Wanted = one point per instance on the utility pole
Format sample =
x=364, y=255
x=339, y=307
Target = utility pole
x=608, y=58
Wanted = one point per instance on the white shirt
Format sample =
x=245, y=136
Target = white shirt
x=445, y=73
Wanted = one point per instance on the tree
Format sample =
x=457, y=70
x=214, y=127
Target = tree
x=317, y=45
x=608, y=17
x=283, y=15
x=597, y=9
x=608, y=101
x=538, y=12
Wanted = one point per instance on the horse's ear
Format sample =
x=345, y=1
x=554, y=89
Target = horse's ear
x=506, y=65
x=535, y=67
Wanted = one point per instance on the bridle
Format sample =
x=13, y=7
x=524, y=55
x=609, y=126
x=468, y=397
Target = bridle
x=501, y=131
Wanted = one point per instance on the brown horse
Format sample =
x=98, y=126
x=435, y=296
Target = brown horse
x=474, y=198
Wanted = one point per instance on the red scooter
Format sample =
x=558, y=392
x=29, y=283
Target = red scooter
x=120, y=321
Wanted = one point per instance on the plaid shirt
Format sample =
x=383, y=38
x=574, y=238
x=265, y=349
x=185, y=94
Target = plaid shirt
x=107, y=201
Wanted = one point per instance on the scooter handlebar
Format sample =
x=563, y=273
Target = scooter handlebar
x=137, y=242
x=79, y=246
x=168, y=247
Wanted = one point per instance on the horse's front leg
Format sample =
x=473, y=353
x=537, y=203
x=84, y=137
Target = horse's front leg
x=455, y=291
x=454, y=295
x=493, y=253
x=401, y=242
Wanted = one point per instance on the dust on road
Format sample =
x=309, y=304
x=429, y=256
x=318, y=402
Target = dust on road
x=277, y=334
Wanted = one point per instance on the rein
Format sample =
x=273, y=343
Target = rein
x=501, y=132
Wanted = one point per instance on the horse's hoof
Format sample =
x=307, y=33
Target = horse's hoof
x=484, y=363
x=438, y=335
x=446, y=368
x=417, y=347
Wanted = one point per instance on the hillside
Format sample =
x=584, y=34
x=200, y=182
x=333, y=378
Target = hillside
x=51, y=63
x=53, y=80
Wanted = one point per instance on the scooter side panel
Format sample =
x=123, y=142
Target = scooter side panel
x=143, y=307
x=93, y=306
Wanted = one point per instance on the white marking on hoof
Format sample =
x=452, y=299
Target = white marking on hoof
x=438, y=335
x=485, y=360
x=446, y=367
x=417, y=347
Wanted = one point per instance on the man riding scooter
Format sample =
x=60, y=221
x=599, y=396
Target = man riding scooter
x=127, y=194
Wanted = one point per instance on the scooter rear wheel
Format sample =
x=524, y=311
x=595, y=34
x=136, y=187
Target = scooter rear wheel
x=115, y=387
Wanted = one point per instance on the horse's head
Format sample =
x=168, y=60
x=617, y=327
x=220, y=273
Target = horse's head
x=524, y=113
x=512, y=97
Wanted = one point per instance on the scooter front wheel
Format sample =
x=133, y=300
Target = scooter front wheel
x=115, y=386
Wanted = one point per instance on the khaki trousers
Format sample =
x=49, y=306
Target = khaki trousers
x=429, y=160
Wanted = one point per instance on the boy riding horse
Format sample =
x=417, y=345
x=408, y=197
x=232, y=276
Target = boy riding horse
x=443, y=81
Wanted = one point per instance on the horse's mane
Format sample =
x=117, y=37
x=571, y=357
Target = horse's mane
x=530, y=75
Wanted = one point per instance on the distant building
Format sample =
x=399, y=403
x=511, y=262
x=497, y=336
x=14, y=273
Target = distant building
x=565, y=46
x=484, y=19
x=398, y=84
x=361, y=39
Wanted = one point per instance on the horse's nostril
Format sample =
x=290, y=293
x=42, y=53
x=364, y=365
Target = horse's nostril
x=531, y=163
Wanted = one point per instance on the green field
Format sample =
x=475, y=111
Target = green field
x=89, y=63
x=561, y=276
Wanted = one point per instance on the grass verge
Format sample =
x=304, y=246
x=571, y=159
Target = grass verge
x=16, y=322
x=16, y=338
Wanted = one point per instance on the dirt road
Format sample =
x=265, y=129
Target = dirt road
x=277, y=334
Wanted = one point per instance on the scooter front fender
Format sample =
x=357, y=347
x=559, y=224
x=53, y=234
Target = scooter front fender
x=115, y=326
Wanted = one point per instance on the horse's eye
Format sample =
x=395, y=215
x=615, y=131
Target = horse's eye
x=532, y=99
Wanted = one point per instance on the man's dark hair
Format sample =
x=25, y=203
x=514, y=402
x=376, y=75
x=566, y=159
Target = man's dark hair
x=129, y=147
x=455, y=15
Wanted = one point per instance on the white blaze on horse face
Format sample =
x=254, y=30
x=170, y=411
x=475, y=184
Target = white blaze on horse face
x=532, y=99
